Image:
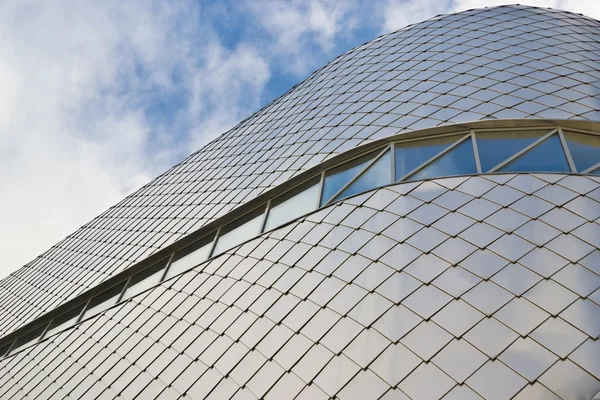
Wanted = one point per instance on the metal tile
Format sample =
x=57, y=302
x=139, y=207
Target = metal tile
x=426, y=239
x=453, y=223
x=521, y=315
x=462, y=393
x=491, y=337
x=503, y=195
x=487, y=297
x=426, y=382
x=398, y=286
x=570, y=247
x=586, y=356
x=567, y=380
x=459, y=359
x=426, y=267
x=366, y=347
x=426, y=340
x=336, y=374
x=455, y=281
x=397, y=322
x=395, y=363
x=454, y=250
x=484, y=263
x=562, y=219
x=537, y=232
x=457, y=317
x=506, y=219
x=584, y=315
x=528, y=358
x=312, y=362
x=550, y=296
x=511, y=247
x=426, y=301
x=481, y=234
x=516, y=278
x=479, y=209
x=496, y=381
x=558, y=336
x=536, y=392
x=578, y=279
x=364, y=385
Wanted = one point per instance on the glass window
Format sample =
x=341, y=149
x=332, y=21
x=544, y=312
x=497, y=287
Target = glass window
x=146, y=279
x=495, y=147
x=4, y=349
x=585, y=149
x=337, y=178
x=64, y=320
x=458, y=161
x=239, y=231
x=377, y=175
x=410, y=155
x=104, y=300
x=294, y=204
x=190, y=256
x=27, y=339
x=595, y=172
x=547, y=156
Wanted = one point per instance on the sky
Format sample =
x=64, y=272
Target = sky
x=98, y=97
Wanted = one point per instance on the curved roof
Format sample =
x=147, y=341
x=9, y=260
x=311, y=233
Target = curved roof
x=507, y=62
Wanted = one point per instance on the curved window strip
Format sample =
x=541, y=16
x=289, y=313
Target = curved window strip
x=466, y=153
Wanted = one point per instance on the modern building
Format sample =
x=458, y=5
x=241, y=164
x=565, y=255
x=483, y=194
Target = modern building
x=419, y=219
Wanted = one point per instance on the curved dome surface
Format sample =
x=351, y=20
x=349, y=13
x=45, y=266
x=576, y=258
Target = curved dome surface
x=509, y=62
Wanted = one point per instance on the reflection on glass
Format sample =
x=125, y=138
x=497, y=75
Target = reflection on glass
x=104, y=300
x=595, y=172
x=495, y=147
x=4, y=349
x=585, y=149
x=292, y=205
x=547, y=156
x=409, y=156
x=239, y=231
x=63, y=321
x=377, y=175
x=337, y=178
x=145, y=279
x=27, y=339
x=458, y=161
x=190, y=256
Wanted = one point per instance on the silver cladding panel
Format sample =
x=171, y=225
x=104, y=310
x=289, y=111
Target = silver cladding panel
x=312, y=311
x=505, y=62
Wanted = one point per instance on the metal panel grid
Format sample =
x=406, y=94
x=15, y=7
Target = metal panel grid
x=496, y=63
x=380, y=304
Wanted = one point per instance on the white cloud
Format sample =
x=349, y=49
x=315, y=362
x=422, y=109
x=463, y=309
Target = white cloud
x=77, y=81
x=299, y=27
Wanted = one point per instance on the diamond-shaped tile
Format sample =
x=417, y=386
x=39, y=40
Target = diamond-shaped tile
x=426, y=339
x=491, y=337
x=437, y=385
x=558, y=336
x=570, y=247
x=395, y=363
x=577, y=278
x=487, y=297
x=455, y=281
x=459, y=359
x=568, y=380
x=457, y=317
x=426, y=301
x=496, y=381
x=584, y=315
x=511, y=247
x=528, y=358
x=521, y=315
x=550, y=296
x=516, y=278
x=587, y=356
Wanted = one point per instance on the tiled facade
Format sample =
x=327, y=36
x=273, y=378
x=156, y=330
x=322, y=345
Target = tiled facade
x=484, y=286
x=414, y=291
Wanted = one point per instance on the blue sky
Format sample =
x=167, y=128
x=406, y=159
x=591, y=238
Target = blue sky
x=98, y=97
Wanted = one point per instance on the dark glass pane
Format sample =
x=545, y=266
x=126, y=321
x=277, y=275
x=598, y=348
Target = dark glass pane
x=377, y=175
x=495, y=147
x=409, y=156
x=585, y=149
x=27, y=339
x=64, y=320
x=337, y=178
x=190, y=256
x=547, y=156
x=595, y=172
x=239, y=231
x=294, y=204
x=104, y=301
x=458, y=161
x=146, y=279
